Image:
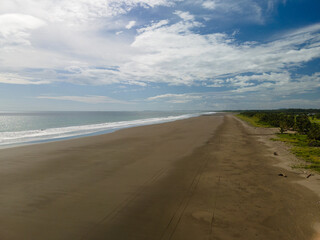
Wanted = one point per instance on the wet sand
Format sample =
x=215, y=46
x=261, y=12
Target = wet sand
x=201, y=178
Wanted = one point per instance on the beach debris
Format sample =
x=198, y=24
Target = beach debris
x=282, y=175
x=309, y=175
x=275, y=153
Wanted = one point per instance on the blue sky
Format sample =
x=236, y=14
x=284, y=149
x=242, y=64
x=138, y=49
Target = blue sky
x=159, y=54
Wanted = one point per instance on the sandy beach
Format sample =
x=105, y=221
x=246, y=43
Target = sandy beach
x=210, y=177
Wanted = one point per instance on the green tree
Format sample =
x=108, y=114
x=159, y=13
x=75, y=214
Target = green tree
x=302, y=124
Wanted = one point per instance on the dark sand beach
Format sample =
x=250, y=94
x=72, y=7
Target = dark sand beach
x=208, y=177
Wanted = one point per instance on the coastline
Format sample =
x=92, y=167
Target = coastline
x=200, y=178
x=52, y=134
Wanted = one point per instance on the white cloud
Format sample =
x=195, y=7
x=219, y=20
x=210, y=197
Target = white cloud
x=285, y=85
x=161, y=52
x=176, y=55
x=153, y=26
x=11, y=78
x=165, y=53
x=84, y=99
x=209, y=5
x=247, y=80
x=241, y=11
x=15, y=28
x=184, y=15
x=231, y=11
x=78, y=11
x=10, y=23
x=84, y=42
x=131, y=24
x=176, y=98
x=216, y=83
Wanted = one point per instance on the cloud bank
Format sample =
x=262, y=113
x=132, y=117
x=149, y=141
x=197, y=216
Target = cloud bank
x=98, y=43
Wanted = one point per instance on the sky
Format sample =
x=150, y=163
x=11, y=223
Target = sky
x=121, y=55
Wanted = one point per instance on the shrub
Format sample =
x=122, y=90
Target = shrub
x=302, y=124
x=317, y=115
x=314, y=132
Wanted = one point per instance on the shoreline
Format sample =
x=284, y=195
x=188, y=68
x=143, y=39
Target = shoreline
x=206, y=177
x=31, y=143
x=105, y=130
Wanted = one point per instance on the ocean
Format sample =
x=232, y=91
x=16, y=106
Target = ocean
x=19, y=128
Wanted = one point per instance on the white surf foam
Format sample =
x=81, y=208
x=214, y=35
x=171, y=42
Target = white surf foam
x=21, y=137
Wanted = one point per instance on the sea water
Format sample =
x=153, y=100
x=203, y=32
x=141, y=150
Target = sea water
x=33, y=127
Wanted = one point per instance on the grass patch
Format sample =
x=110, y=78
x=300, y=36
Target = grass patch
x=315, y=120
x=254, y=121
x=302, y=150
x=295, y=139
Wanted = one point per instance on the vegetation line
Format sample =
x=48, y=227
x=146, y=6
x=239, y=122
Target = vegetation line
x=299, y=129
